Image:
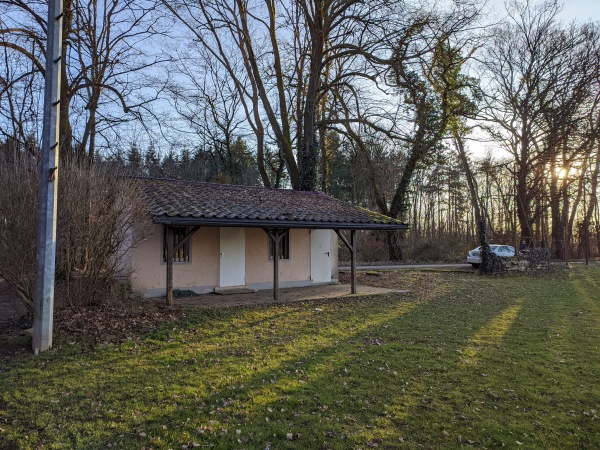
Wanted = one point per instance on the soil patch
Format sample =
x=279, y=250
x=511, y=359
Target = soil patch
x=415, y=281
x=133, y=317
x=90, y=326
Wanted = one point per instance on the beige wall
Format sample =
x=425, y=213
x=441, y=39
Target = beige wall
x=202, y=273
x=259, y=269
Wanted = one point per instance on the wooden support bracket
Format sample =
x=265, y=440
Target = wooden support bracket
x=275, y=234
x=352, y=247
x=171, y=249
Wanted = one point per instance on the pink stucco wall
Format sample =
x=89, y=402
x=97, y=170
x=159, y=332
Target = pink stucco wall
x=259, y=268
x=150, y=272
x=202, y=272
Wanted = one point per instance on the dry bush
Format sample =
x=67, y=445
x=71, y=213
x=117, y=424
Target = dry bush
x=434, y=250
x=372, y=247
x=535, y=260
x=97, y=216
x=97, y=213
x=19, y=181
x=493, y=264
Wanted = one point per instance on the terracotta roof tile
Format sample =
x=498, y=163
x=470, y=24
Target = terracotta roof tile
x=187, y=202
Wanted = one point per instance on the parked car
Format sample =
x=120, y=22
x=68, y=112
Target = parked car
x=503, y=251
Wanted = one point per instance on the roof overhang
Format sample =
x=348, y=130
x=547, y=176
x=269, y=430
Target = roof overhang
x=283, y=224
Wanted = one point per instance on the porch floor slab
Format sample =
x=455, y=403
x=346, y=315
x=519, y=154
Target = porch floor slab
x=286, y=295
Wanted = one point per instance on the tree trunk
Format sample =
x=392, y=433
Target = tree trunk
x=309, y=154
x=259, y=132
x=470, y=179
x=399, y=205
x=65, y=130
x=395, y=243
x=593, y=201
x=523, y=201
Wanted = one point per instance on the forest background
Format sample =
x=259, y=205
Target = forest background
x=437, y=113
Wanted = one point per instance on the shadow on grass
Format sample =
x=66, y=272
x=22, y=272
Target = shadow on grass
x=449, y=370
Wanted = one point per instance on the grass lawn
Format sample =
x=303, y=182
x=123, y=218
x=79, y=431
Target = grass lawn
x=460, y=361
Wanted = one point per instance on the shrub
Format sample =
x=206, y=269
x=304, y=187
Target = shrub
x=535, y=260
x=97, y=213
x=19, y=181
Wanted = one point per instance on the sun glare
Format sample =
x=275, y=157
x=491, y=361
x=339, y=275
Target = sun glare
x=561, y=173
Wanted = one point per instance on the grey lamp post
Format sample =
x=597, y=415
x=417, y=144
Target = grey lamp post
x=43, y=305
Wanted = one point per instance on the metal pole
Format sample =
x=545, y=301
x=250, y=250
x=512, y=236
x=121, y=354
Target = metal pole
x=43, y=304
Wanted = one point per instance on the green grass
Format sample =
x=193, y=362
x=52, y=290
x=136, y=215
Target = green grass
x=460, y=361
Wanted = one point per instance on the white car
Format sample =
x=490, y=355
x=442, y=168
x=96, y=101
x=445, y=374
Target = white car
x=503, y=251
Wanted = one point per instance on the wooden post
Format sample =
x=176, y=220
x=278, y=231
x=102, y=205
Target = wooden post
x=352, y=247
x=277, y=242
x=169, y=265
x=353, y=261
x=275, y=235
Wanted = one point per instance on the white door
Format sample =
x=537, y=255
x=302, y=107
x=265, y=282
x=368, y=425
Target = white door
x=232, y=267
x=320, y=246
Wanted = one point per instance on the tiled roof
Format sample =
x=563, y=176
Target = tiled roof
x=195, y=203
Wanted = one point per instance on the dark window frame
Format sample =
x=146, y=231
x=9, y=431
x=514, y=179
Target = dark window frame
x=183, y=254
x=284, y=246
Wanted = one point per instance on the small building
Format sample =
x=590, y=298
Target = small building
x=206, y=237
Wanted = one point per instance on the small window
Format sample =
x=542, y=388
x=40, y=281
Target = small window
x=284, y=246
x=182, y=254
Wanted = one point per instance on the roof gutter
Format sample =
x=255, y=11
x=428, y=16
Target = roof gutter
x=249, y=223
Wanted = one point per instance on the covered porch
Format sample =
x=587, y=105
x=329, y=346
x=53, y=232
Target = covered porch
x=192, y=206
x=287, y=295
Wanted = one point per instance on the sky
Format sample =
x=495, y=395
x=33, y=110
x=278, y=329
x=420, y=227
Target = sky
x=573, y=10
x=580, y=10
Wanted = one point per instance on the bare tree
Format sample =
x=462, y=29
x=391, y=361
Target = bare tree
x=212, y=120
x=539, y=79
x=19, y=88
x=102, y=55
x=109, y=51
x=286, y=59
x=426, y=70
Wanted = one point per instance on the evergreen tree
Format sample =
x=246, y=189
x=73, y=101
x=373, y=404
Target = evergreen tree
x=152, y=162
x=134, y=160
